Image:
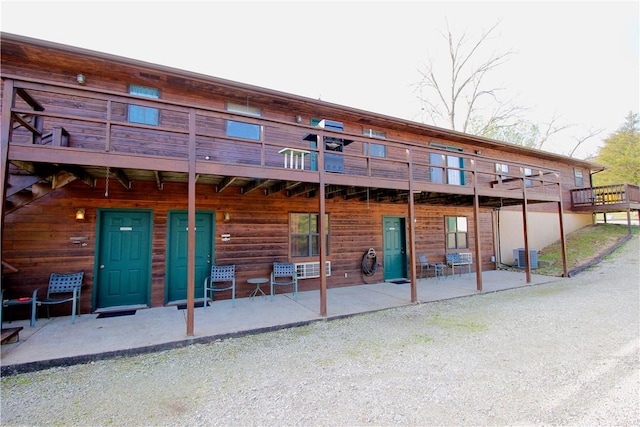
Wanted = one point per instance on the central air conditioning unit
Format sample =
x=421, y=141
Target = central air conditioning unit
x=308, y=270
x=521, y=262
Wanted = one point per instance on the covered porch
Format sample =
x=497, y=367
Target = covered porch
x=58, y=342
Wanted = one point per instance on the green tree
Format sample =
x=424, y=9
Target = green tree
x=621, y=155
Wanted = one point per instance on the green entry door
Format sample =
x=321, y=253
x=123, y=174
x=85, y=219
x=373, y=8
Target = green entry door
x=395, y=260
x=176, y=277
x=124, y=258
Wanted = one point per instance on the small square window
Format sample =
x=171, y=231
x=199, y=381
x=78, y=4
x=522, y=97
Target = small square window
x=375, y=150
x=244, y=109
x=140, y=114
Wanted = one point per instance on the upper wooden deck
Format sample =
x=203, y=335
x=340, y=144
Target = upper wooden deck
x=607, y=198
x=85, y=132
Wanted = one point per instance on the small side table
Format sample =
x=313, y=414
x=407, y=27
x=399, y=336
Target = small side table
x=439, y=270
x=18, y=301
x=257, y=281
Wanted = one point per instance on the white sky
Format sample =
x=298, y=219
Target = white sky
x=578, y=60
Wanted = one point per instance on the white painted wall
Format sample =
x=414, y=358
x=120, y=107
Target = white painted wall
x=544, y=229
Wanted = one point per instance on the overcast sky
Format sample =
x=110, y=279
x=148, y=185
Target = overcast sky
x=578, y=60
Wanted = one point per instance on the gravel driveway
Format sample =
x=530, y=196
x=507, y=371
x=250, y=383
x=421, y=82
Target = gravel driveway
x=565, y=353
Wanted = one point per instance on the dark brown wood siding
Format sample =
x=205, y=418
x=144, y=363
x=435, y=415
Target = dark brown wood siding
x=37, y=237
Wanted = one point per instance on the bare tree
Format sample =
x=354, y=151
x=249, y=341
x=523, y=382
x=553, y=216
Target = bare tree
x=458, y=93
x=592, y=133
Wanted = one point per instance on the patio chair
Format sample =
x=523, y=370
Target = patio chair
x=423, y=262
x=62, y=288
x=282, y=271
x=220, y=274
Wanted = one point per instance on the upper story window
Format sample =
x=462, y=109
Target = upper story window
x=452, y=165
x=305, y=234
x=578, y=177
x=372, y=149
x=140, y=114
x=528, y=172
x=244, y=130
x=502, y=171
x=244, y=109
x=456, y=232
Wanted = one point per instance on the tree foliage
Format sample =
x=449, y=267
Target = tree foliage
x=621, y=154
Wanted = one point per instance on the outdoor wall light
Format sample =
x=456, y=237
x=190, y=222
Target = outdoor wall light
x=298, y=119
x=80, y=214
x=227, y=217
x=80, y=79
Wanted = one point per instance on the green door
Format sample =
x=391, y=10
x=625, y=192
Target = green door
x=124, y=258
x=395, y=260
x=176, y=277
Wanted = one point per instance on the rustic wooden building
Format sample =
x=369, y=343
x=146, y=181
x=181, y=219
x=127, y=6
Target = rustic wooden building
x=142, y=176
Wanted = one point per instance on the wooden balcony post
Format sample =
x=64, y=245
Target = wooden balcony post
x=412, y=230
x=321, y=228
x=5, y=127
x=526, y=232
x=476, y=231
x=191, y=221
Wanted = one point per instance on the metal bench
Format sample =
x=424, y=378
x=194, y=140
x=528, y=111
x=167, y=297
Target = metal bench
x=459, y=259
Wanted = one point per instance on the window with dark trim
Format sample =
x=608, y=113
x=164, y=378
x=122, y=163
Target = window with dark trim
x=304, y=232
x=144, y=115
x=456, y=232
x=579, y=177
x=244, y=130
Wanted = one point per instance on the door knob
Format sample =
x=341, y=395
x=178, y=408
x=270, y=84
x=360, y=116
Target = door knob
x=102, y=266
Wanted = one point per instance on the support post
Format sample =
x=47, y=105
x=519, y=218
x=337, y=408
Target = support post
x=526, y=231
x=476, y=231
x=322, y=228
x=412, y=231
x=5, y=136
x=563, y=242
x=191, y=223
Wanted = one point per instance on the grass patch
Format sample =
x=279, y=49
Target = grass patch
x=445, y=322
x=583, y=246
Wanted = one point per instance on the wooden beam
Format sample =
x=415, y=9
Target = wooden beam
x=254, y=185
x=22, y=93
x=226, y=182
x=476, y=231
x=159, y=179
x=122, y=177
x=303, y=189
x=322, y=231
x=18, y=118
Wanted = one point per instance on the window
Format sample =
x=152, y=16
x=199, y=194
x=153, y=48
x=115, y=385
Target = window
x=144, y=115
x=244, y=130
x=579, y=177
x=456, y=232
x=375, y=150
x=375, y=133
x=502, y=171
x=454, y=176
x=244, y=109
x=528, y=172
x=304, y=232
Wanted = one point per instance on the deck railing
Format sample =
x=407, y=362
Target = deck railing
x=89, y=119
x=605, y=196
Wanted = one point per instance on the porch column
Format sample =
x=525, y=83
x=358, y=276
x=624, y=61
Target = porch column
x=5, y=126
x=322, y=227
x=525, y=230
x=476, y=231
x=191, y=223
x=412, y=231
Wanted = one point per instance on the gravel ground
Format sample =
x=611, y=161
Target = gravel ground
x=565, y=353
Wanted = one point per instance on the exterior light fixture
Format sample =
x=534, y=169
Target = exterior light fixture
x=80, y=79
x=80, y=214
x=227, y=217
x=298, y=119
